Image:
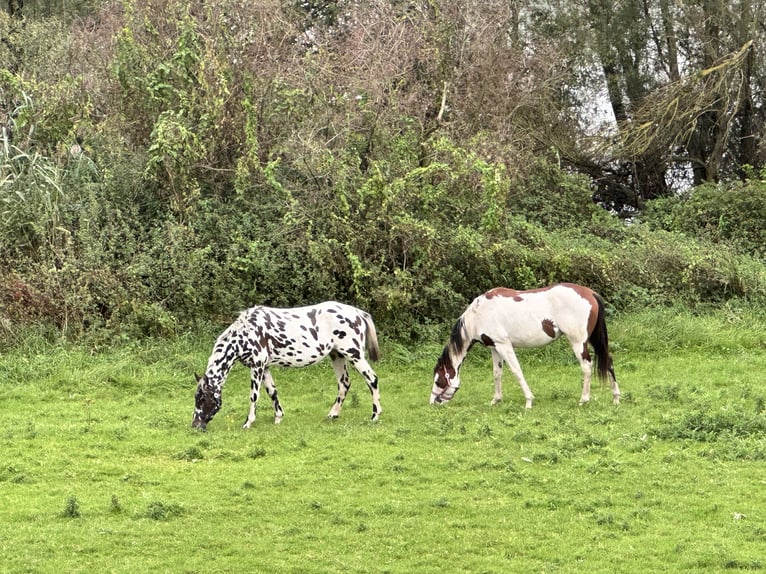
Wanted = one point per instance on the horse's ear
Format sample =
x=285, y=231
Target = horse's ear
x=197, y=378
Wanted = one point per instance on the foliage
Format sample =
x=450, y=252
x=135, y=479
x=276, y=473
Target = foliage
x=170, y=163
x=731, y=214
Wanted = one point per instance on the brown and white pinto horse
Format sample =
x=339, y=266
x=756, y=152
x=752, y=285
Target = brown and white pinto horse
x=502, y=319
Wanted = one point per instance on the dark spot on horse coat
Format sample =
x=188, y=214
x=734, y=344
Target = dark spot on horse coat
x=486, y=341
x=339, y=334
x=356, y=324
x=550, y=328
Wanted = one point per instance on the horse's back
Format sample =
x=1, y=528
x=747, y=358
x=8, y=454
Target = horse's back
x=304, y=335
x=531, y=318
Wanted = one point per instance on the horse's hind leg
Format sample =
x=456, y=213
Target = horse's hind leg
x=271, y=389
x=371, y=378
x=341, y=373
x=506, y=352
x=615, y=387
x=497, y=372
x=583, y=355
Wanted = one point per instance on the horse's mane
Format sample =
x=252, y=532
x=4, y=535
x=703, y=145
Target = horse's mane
x=459, y=344
x=455, y=347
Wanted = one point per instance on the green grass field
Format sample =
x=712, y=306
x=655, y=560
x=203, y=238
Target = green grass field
x=101, y=472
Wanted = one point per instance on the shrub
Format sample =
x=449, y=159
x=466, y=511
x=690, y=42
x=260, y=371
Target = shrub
x=72, y=508
x=732, y=213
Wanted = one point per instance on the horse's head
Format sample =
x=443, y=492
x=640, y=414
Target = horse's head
x=446, y=380
x=207, y=402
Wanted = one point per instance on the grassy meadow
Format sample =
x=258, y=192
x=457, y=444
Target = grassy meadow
x=101, y=472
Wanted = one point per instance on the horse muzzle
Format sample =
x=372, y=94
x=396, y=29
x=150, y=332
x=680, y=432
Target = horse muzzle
x=198, y=423
x=443, y=395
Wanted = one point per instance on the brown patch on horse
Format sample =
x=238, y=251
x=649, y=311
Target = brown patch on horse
x=550, y=328
x=502, y=292
x=512, y=293
x=486, y=341
x=444, y=370
x=585, y=352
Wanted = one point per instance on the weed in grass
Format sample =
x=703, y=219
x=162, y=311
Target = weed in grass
x=115, y=507
x=191, y=454
x=19, y=478
x=162, y=511
x=72, y=508
x=256, y=452
x=13, y=475
x=484, y=431
x=703, y=425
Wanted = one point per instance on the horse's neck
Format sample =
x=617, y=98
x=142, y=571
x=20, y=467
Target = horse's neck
x=456, y=354
x=456, y=357
x=224, y=356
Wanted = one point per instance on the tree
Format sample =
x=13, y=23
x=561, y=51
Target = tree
x=684, y=86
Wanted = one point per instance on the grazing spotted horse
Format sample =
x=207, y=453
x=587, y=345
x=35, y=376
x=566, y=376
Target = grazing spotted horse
x=264, y=336
x=502, y=319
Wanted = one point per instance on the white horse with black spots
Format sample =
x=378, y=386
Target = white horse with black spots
x=502, y=319
x=265, y=336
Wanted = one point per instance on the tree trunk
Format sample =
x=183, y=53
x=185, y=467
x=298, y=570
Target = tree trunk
x=671, y=42
x=15, y=8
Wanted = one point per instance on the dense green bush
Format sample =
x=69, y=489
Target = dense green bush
x=733, y=213
x=187, y=182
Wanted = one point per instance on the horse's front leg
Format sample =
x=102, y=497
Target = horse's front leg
x=341, y=374
x=271, y=389
x=497, y=372
x=509, y=355
x=256, y=376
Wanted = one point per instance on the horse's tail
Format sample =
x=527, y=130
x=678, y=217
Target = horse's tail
x=371, y=338
x=600, y=341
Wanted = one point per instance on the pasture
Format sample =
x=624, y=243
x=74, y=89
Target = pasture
x=101, y=471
